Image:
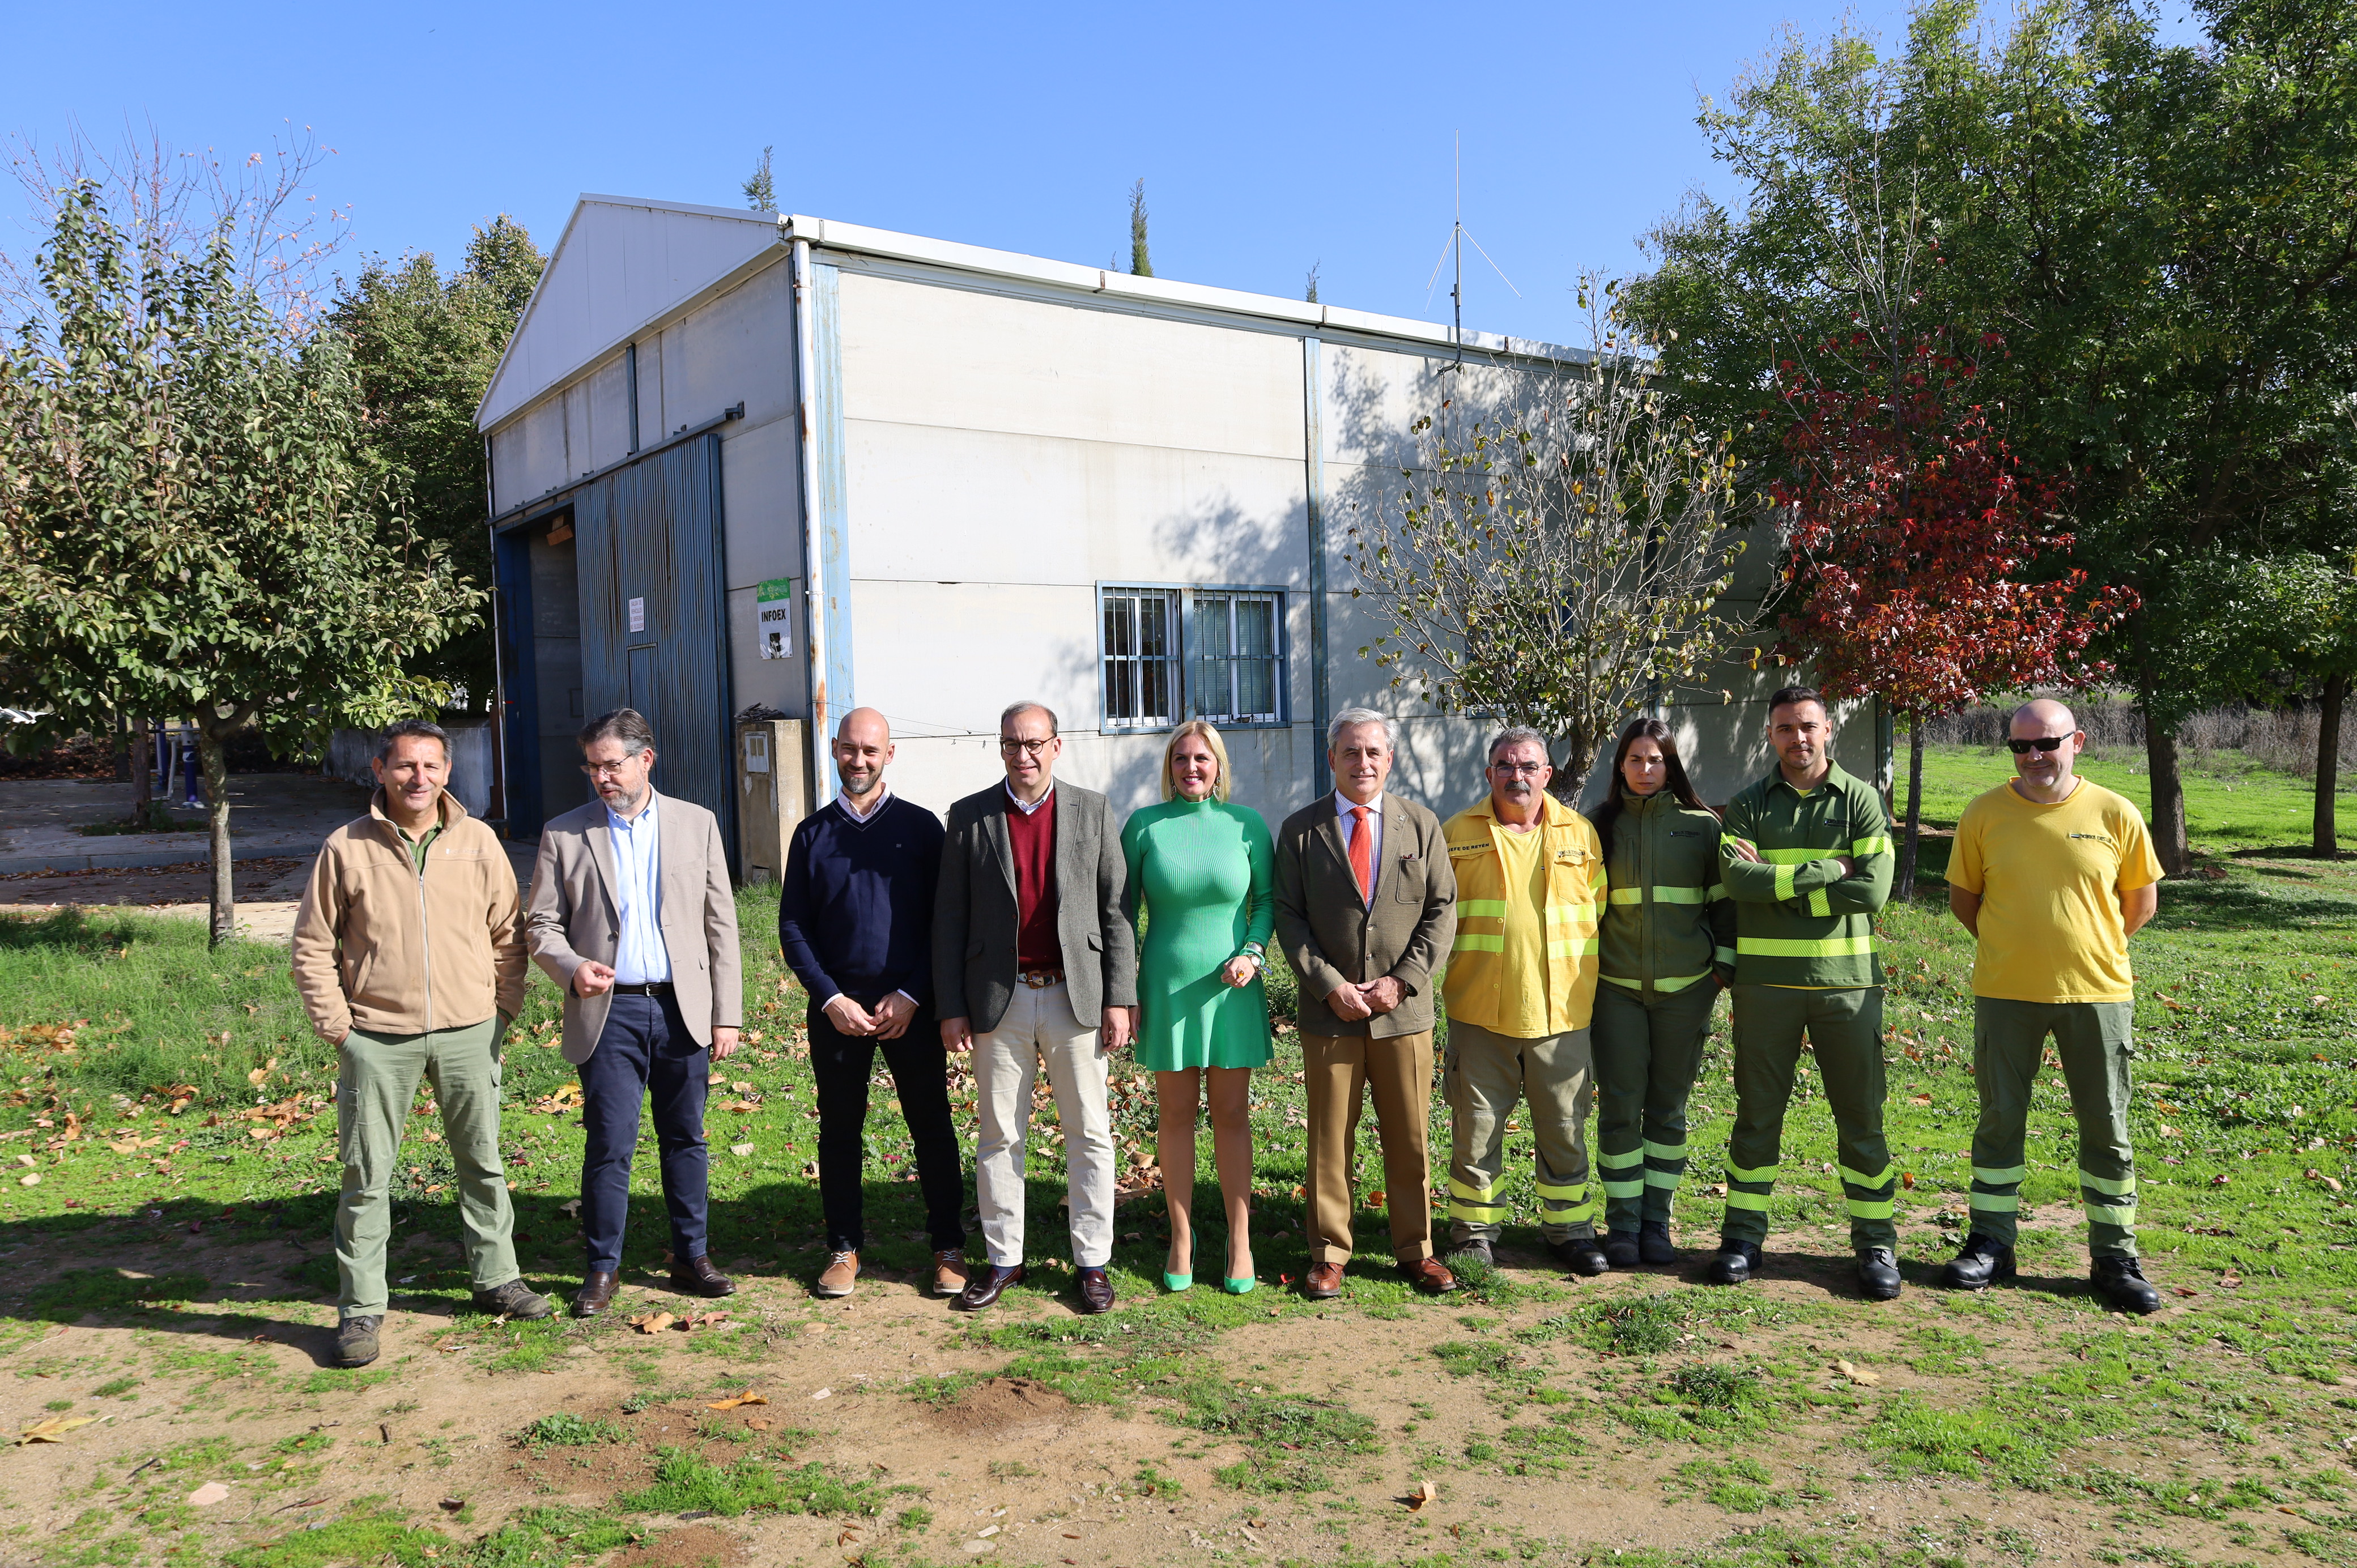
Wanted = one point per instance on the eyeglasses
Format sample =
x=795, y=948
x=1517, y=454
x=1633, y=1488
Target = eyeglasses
x=1008, y=745
x=1512, y=769
x=606, y=769
x=2043, y=742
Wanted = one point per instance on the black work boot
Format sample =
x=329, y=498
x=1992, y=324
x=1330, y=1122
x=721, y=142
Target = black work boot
x=1878, y=1274
x=1736, y=1261
x=1978, y=1264
x=355, y=1341
x=515, y=1299
x=1581, y=1255
x=2121, y=1282
x=1474, y=1248
x=1653, y=1243
x=1620, y=1248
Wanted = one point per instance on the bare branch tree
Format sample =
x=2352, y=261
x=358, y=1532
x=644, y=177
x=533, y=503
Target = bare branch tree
x=1560, y=561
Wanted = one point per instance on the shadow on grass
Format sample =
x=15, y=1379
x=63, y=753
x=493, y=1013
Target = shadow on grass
x=2197, y=904
x=82, y=933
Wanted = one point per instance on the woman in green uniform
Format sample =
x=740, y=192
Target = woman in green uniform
x=1666, y=948
x=1201, y=869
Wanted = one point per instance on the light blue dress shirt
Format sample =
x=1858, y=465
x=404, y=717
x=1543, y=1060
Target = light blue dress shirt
x=640, y=957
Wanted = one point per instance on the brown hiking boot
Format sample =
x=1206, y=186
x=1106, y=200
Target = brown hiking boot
x=356, y=1341
x=950, y=1272
x=836, y=1279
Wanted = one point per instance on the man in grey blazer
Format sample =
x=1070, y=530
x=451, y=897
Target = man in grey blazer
x=632, y=915
x=1366, y=906
x=1035, y=963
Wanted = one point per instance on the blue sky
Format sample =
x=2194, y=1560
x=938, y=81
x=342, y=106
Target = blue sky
x=1270, y=137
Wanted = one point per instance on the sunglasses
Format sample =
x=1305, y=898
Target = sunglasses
x=2043, y=742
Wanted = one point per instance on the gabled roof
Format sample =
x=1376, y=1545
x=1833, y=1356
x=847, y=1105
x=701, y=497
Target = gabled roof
x=623, y=264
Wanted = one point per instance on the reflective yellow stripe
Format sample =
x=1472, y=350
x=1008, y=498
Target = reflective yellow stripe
x=1724, y=955
x=1784, y=875
x=1666, y=1180
x=1996, y=1176
x=1879, y=844
x=1627, y=895
x=1475, y=1194
x=1729, y=841
x=1567, y=1194
x=1736, y=1199
x=1623, y=1188
x=2108, y=1189
x=1569, y=914
x=1757, y=1172
x=1802, y=856
x=1477, y=1214
x=1819, y=905
x=1680, y=983
x=1569, y=947
x=1717, y=892
x=1569, y=1216
x=1661, y=895
x=1629, y=1161
x=1804, y=947
x=1631, y=984
x=1480, y=908
x=1857, y=1178
x=1997, y=1202
x=1468, y=941
x=1665, y=1150
x=2099, y=1214
x=1880, y=1209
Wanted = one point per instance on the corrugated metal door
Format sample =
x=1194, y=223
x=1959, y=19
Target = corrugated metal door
x=654, y=616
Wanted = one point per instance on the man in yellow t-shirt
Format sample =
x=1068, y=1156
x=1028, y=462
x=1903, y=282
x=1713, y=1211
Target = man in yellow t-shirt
x=1521, y=988
x=2053, y=874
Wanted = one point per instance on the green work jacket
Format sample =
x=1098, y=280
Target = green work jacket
x=1798, y=920
x=1669, y=918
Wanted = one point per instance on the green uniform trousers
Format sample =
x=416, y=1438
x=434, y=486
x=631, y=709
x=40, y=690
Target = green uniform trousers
x=1648, y=1050
x=376, y=1081
x=2093, y=1041
x=1485, y=1074
x=1844, y=1030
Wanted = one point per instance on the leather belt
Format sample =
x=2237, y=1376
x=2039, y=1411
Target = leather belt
x=644, y=988
x=1041, y=979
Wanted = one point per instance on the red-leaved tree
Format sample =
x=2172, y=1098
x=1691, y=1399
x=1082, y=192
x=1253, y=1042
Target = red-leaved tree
x=1913, y=530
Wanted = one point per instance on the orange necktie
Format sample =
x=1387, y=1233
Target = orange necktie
x=1363, y=853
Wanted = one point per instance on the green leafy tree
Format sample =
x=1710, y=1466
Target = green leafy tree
x=425, y=346
x=2307, y=614
x=191, y=519
x=1141, y=261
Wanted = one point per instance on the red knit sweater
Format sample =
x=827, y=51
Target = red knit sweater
x=1032, y=838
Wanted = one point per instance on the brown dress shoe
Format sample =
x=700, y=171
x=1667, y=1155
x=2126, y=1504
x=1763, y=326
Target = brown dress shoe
x=698, y=1277
x=1096, y=1291
x=1325, y=1282
x=836, y=1279
x=950, y=1272
x=597, y=1293
x=986, y=1287
x=1430, y=1275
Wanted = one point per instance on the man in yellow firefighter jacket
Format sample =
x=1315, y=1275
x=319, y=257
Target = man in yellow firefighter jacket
x=1521, y=985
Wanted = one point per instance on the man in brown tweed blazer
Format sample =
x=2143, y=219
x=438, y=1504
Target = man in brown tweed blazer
x=1366, y=907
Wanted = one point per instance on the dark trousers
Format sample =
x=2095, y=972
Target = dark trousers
x=645, y=1052
x=842, y=1064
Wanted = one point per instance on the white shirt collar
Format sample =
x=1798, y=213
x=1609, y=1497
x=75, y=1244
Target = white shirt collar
x=883, y=799
x=1344, y=806
x=1027, y=807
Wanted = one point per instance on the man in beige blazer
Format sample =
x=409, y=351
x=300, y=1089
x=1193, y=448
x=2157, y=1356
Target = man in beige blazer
x=632, y=915
x=1366, y=906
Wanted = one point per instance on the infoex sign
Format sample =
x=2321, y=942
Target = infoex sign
x=773, y=617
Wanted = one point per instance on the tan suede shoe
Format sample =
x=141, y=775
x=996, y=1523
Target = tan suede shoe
x=836, y=1279
x=950, y=1272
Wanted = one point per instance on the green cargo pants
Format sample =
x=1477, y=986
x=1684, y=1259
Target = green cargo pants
x=1486, y=1074
x=1648, y=1050
x=376, y=1081
x=1844, y=1030
x=2091, y=1039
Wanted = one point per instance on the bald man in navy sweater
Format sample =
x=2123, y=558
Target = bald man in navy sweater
x=855, y=922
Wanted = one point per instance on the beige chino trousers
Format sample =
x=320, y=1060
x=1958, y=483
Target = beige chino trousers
x=1040, y=1029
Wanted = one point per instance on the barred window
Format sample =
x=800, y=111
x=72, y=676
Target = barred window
x=1172, y=652
x=1236, y=647
x=1141, y=658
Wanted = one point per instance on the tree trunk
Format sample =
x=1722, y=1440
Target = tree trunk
x=119, y=749
x=2168, y=826
x=2326, y=841
x=213, y=731
x=1902, y=887
x=143, y=773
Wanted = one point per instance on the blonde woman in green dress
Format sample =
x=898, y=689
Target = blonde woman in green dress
x=1203, y=871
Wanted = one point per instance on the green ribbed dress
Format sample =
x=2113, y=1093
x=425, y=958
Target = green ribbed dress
x=1203, y=871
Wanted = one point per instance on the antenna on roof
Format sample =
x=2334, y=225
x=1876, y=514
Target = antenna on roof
x=1459, y=237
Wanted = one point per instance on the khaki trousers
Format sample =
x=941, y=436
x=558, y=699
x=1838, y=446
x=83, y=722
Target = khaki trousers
x=1040, y=1029
x=1487, y=1075
x=1340, y=1072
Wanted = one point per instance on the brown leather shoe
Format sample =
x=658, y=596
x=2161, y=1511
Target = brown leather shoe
x=1430, y=1275
x=698, y=1277
x=836, y=1279
x=1096, y=1291
x=597, y=1293
x=987, y=1287
x=950, y=1272
x=1324, y=1284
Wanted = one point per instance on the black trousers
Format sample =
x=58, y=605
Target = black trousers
x=841, y=1064
x=645, y=1053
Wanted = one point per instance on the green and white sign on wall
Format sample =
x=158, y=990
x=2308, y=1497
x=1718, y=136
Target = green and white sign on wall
x=773, y=617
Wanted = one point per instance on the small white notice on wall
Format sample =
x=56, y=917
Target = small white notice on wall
x=773, y=617
x=757, y=752
x=638, y=615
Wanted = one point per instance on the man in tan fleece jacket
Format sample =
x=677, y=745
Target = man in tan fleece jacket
x=409, y=954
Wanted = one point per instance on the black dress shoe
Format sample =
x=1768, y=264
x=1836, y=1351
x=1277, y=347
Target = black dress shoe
x=1978, y=1264
x=1620, y=1250
x=2121, y=1282
x=597, y=1293
x=1736, y=1261
x=1653, y=1243
x=1878, y=1274
x=1581, y=1255
x=698, y=1277
x=1096, y=1291
x=986, y=1286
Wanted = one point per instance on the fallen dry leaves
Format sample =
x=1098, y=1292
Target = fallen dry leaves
x=1424, y=1492
x=1857, y=1374
x=736, y=1399
x=52, y=1430
x=652, y=1323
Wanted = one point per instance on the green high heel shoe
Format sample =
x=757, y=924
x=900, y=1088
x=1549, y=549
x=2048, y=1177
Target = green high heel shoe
x=1238, y=1287
x=1174, y=1284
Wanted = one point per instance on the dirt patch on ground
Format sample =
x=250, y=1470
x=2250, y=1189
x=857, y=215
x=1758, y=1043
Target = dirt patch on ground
x=697, y=1546
x=996, y=1406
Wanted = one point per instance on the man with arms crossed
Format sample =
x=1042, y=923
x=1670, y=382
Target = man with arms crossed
x=856, y=922
x=1805, y=854
x=2052, y=875
x=1035, y=964
x=410, y=960
x=633, y=916
x=1365, y=907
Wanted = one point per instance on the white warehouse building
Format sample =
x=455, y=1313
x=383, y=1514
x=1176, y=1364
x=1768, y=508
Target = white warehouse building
x=751, y=464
